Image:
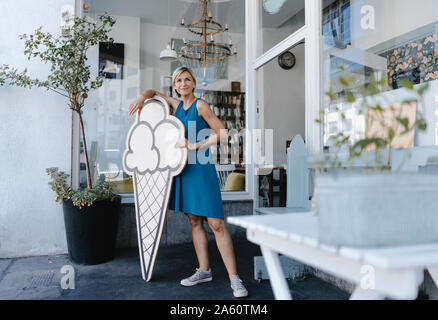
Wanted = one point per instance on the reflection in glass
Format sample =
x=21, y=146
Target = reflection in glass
x=141, y=32
x=361, y=42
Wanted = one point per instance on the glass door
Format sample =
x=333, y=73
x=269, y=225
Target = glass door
x=283, y=77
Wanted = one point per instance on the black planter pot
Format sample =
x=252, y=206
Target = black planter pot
x=91, y=231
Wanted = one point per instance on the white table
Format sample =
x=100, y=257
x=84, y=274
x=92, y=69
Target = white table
x=394, y=272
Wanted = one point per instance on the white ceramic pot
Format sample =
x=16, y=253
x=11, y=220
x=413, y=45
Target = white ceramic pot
x=378, y=209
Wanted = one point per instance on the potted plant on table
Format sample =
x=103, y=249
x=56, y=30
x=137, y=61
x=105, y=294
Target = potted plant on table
x=91, y=213
x=362, y=197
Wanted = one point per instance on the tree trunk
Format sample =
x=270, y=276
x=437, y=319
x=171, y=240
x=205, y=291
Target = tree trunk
x=87, y=165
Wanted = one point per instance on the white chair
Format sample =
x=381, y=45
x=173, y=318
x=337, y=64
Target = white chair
x=297, y=200
x=297, y=194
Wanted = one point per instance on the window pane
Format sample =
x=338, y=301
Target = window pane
x=371, y=51
x=280, y=19
x=132, y=65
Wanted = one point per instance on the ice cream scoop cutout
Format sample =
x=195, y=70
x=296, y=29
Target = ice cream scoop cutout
x=153, y=157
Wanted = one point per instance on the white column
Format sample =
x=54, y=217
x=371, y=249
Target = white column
x=252, y=45
x=313, y=75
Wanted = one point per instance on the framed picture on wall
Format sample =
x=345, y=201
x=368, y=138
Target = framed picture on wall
x=415, y=59
x=111, y=60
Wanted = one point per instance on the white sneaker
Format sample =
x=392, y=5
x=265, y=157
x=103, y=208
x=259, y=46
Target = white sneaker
x=239, y=290
x=199, y=276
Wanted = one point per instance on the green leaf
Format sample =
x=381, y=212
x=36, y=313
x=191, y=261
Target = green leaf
x=378, y=108
x=350, y=97
x=373, y=88
x=406, y=84
x=422, y=89
x=404, y=122
x=344, y=81
x=331, y=94
x=421, y=124
x=381, y=82
x=362, y=144
x=391, y=134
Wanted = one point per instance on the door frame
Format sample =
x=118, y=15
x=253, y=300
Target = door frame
x=311, y=33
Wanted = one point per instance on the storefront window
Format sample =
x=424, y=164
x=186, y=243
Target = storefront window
x=132, y=65
x=280, y=19
x=381, y=44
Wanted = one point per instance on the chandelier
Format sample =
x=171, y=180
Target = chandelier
x=205, y=51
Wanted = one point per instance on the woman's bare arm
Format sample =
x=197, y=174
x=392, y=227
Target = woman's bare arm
x=138, y=103
x=221, y=134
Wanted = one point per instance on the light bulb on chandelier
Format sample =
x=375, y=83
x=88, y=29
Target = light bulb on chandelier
x=205, y=50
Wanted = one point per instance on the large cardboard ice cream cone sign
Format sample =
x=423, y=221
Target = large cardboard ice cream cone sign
x=153, y=157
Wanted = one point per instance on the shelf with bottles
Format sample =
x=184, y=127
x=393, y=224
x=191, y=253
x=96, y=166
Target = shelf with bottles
x=229, y=107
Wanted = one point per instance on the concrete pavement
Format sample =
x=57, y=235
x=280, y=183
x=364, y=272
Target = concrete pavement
x=40, y=277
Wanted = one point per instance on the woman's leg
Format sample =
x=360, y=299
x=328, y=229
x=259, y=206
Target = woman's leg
x=224, y=243
x=200, y=241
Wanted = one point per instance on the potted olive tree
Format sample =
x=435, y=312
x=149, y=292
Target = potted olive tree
x=362, y=197
x=91, y=213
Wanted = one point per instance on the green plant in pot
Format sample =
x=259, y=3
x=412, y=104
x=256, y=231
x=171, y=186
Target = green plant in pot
x=91, y=212
x=363, y=199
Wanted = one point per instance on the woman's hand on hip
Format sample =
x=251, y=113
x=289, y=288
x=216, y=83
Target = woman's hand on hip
x=184, y=143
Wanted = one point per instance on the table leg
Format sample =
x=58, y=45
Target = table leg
x=366, y=294
x=276, y=276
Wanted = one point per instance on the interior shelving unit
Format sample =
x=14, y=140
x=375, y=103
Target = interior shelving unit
x=229, y=107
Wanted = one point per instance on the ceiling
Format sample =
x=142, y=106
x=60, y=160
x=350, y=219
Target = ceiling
x=287, y=11
x=169, y=12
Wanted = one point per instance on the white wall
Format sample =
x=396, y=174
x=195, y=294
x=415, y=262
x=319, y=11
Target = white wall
x=284, y=103
x=392, y=19
x=35, y=134
x=282, y=95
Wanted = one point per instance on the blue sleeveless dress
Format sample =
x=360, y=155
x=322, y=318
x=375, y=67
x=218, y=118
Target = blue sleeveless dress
x=196, y=190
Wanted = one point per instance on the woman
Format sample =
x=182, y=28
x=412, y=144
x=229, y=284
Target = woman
x=196, y=190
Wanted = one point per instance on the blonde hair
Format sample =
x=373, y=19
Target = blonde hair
x=178, y=72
